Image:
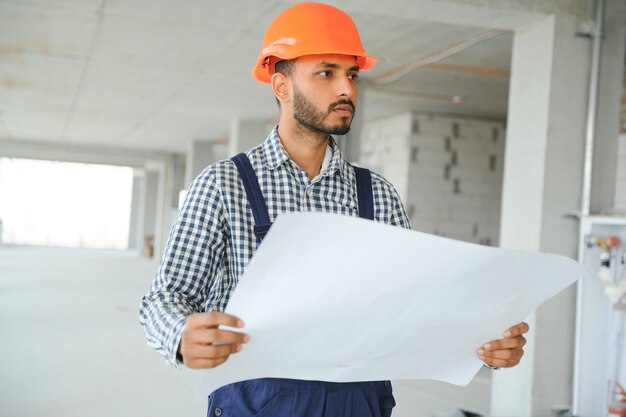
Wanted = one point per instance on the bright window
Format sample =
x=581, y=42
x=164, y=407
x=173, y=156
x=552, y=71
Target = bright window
x=65, y=204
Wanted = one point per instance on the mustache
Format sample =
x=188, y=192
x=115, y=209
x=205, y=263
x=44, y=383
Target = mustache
x=343, y=101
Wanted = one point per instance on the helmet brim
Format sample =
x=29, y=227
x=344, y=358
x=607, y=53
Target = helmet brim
x=261, y=71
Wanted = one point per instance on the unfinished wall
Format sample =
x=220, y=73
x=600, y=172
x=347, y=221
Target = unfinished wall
x=447, y=170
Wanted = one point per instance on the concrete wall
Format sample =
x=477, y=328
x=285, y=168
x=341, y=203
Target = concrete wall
x=447, y=170
x=384, y=148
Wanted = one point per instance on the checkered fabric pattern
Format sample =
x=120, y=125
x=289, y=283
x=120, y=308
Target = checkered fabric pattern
x=212, y=240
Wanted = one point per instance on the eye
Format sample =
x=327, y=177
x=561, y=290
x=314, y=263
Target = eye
x=325, y=74
x=354, y=76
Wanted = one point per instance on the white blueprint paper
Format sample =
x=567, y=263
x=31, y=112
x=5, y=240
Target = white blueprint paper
x=337, y=298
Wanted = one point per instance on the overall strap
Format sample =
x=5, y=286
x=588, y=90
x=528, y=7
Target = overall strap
x=262, y=221
x=364, y=193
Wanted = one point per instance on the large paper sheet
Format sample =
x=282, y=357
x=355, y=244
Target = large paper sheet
x=336, y=298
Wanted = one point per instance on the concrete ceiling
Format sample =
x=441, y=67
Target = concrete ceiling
x=154, y=74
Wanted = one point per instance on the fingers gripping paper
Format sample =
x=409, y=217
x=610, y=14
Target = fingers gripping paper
x=336, y=298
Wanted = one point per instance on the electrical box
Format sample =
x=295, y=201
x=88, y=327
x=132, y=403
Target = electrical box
x=600, y=351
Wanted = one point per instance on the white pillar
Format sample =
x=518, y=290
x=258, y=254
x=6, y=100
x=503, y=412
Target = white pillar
x=200, y=154
x=609, y=98
x=246, y=134
x=151, y=209
x=136, y=207
x=542, y=182
x=620, y=183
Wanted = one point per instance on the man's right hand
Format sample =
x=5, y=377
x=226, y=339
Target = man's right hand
x=204, y=345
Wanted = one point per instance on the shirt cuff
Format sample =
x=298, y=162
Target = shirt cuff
x=174, y=340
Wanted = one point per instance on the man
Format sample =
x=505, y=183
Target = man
x=311, y=57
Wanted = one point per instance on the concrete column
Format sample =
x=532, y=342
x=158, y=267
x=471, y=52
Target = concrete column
x=246, y=134
x=171, y=186
x=199, y=155
x=620, y=183
x=136, y=207
x=542, y=182
x=151, y=208
x=608, y=117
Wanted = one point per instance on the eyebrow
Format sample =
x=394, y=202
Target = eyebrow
x=333, y=65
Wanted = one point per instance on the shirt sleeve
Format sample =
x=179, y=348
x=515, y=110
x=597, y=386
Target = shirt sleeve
x=193, y=254
x=398, y=214
x=387, y=203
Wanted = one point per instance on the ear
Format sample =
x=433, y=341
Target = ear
x=281, y=85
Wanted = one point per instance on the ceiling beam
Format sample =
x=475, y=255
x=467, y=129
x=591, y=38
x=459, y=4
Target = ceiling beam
x=502, y=14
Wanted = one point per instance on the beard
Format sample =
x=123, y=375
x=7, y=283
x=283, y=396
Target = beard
x=308, y=116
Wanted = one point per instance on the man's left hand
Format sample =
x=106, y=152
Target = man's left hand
x=505, y=352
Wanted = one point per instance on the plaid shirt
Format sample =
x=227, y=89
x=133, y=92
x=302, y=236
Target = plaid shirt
x=212, y=240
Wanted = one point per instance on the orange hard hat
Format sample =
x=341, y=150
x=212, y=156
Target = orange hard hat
x=309, y=29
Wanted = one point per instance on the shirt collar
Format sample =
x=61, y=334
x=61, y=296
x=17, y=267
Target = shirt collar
x=327, y=157
x=275, y=155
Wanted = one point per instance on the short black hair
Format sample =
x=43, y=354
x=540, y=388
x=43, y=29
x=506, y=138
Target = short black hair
x=284, y=66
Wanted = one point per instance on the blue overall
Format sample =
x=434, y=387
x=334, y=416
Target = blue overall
x=276, y=397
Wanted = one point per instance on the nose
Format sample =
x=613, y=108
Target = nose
x=346, y=88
